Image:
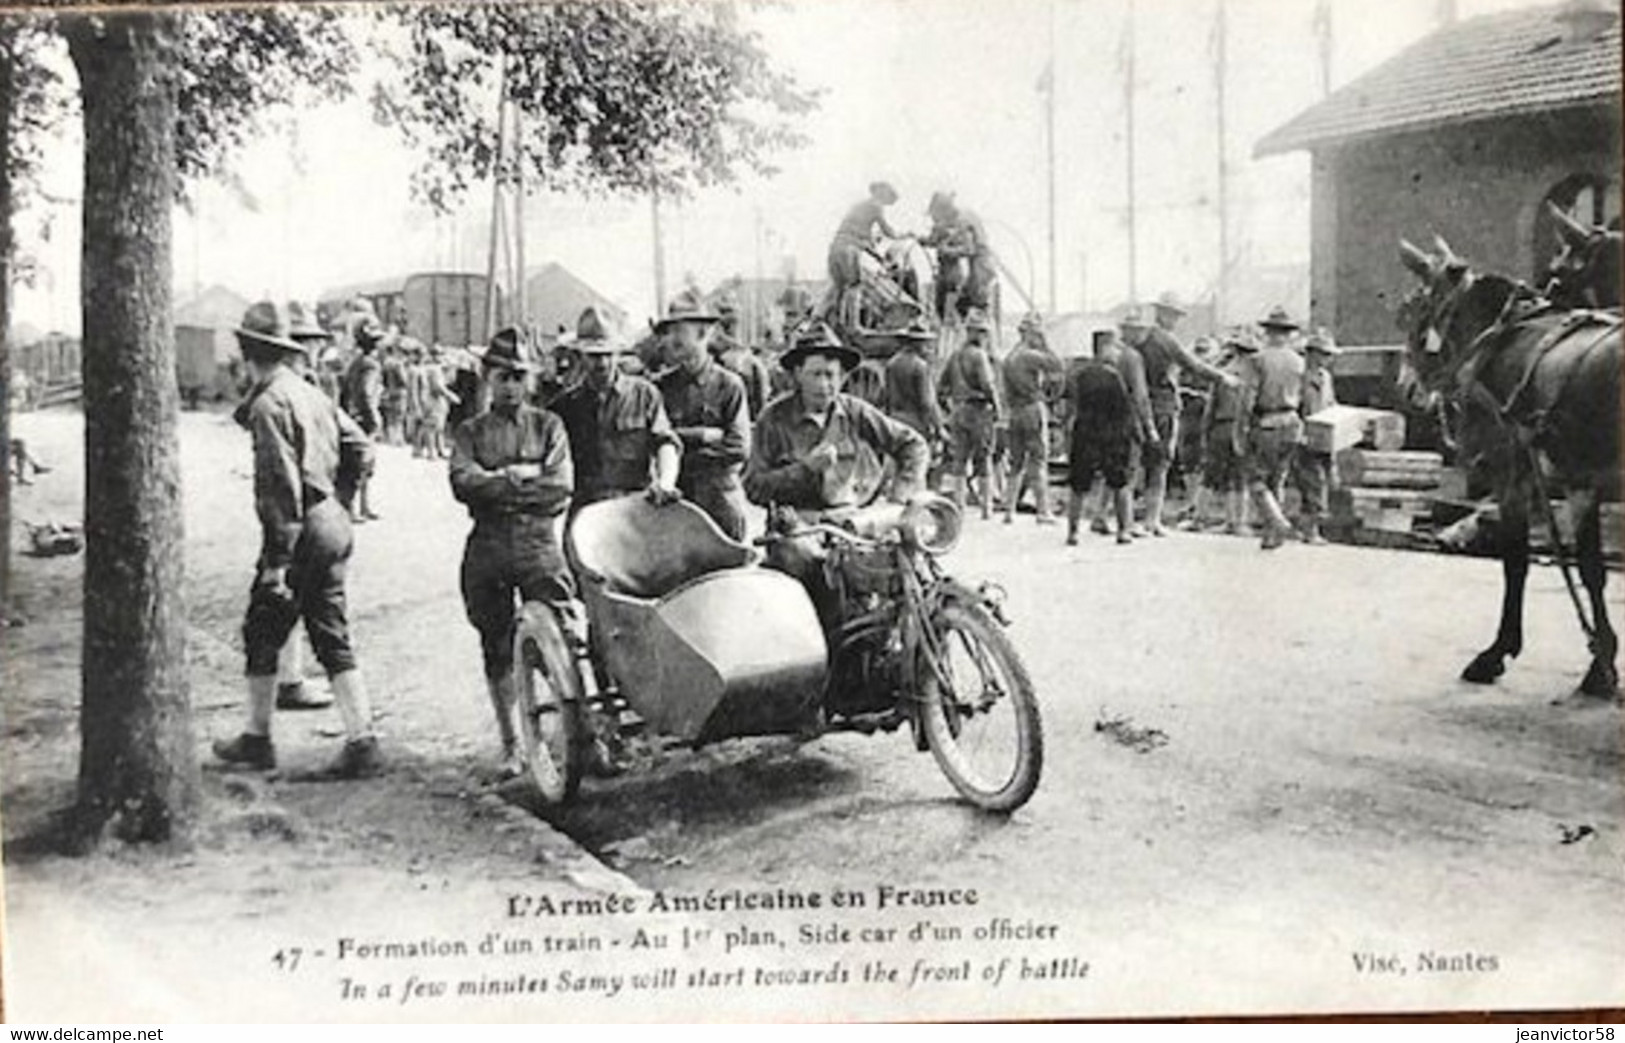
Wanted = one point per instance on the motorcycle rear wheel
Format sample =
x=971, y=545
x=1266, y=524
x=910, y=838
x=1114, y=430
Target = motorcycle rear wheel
x=552, y=727
x=985, y=734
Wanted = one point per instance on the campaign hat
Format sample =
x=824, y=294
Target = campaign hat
x=507, y=351
x=267, y=322
x=1278, y=319
x=818, y=339
x=1169, y=301
x=1322, y=341
x=686, y=307
x=593, y=335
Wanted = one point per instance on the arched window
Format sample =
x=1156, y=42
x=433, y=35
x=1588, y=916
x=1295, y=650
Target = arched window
x=1588, y=198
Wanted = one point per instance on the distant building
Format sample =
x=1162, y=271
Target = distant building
x=1467, y=133
x=555, y=297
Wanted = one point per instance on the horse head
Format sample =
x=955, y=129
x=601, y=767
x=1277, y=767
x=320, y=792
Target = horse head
x=1586, y=271
x=1427, y=315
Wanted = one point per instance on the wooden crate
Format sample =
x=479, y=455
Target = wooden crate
x=1337, y=428
x=1381, y=509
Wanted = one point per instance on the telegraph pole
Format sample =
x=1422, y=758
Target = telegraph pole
x=660, y=253
x=1049, y=139
x=1128, y=92
x=1221, y=31
x=491, y=317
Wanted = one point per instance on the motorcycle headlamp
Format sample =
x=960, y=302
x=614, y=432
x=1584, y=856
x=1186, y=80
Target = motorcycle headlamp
x=931, y=523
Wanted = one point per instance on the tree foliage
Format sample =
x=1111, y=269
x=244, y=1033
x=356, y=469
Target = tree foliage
x=618, y=95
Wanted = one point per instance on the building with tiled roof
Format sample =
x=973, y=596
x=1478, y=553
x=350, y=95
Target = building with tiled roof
x=1467, y=134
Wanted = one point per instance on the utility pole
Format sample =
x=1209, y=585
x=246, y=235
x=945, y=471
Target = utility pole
x=520, y=316
x=1323, y=43
x=660, y=253
x=1128, y=96
x=491, y=316
x=1049, y=139
x=1220, y=56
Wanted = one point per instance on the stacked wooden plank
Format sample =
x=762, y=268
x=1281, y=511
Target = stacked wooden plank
x=1384, y=491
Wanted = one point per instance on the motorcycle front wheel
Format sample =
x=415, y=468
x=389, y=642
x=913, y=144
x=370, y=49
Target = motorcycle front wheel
x=980, y=713
x=552, y=726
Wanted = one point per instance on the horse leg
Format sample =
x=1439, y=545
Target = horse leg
x=1602, y=679
x=1514, y=525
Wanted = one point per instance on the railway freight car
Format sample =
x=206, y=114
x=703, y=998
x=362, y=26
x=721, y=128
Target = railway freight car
x=446, y=308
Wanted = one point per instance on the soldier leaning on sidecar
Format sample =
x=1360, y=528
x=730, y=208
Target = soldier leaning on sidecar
x=816, y=450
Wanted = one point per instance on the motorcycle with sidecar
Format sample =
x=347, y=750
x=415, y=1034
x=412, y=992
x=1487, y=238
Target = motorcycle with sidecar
x=702, y=642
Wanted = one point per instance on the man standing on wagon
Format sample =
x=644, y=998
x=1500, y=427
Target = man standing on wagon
x=511, y=467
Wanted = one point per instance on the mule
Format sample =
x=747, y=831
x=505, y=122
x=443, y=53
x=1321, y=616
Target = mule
x=1529, y=390
x=1586, y=274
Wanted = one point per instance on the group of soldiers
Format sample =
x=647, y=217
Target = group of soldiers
x=692, y=414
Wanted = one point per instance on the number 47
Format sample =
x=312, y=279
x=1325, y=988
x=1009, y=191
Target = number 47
x=287, y=959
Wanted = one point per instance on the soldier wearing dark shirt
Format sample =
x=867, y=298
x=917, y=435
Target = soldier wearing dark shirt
x=510, y=466
x=304, y=457
x=910, y=384
x=1111, y=416
x=1274, y=388
x=706, y=406
x=620, y=438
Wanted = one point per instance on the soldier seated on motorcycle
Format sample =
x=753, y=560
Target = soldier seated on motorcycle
x=818, y=452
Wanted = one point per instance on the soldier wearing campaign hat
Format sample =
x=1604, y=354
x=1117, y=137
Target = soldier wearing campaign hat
x=708, y=408
x=1312, y=471
x=621, y=439
x=1274, y=383
x=970, y=382
x=511, y=467
x=303, y=456
x=1031, y=373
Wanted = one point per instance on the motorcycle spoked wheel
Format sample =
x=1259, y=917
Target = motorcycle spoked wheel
x=552, y=728
x=985, y=733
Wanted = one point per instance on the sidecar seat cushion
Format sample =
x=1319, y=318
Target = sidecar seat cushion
x=643, y=551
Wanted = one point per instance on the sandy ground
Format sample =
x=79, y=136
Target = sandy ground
x=1315, y=790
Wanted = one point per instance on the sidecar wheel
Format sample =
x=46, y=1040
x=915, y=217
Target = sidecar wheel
x=550, y=705
x=985, y=732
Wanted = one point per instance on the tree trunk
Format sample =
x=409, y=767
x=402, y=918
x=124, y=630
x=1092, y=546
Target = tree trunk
x=8, y=94
x=138, y=776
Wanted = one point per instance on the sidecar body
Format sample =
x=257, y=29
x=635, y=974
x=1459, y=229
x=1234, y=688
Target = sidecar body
x=701, y=641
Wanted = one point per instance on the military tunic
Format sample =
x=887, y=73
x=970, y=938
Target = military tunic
x=715, y=398
x=514, y=546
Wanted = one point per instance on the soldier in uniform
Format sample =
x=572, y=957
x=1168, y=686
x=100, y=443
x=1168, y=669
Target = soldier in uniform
x=1111, y=417
x=740, y=360
x=1224, y=431
x=708, y=409
x=621, y=440
x=362, y=397
x=852, y=238
x=1274, y=386
x=1164, y=356
x=911, y=386
x=817, y=450
x=959, y=235
x=1029, y=371
x=1312, y=471
x=511, y=467
x=304, y=457
x=971, y=384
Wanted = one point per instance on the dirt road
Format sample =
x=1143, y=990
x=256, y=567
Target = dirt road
x=1265, y=790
